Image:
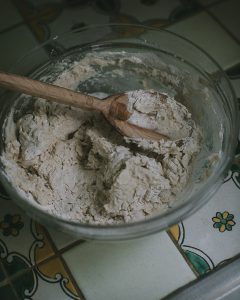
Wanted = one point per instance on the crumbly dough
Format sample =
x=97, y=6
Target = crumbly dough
x=75, y=165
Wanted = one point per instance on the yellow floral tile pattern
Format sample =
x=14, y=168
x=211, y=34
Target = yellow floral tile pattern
x=30, y=260
x=54, y=271
x=45, y=248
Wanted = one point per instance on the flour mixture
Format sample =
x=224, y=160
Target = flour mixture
x=75, y=165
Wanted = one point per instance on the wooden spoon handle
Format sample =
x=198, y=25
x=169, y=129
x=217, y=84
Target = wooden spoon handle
x=51, y=92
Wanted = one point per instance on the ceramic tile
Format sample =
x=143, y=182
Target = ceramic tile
x=51, y=18
x=39, y=3
x=15, y=44
x=23, y=243
x=208, y=34
x=147, y=268
x=227, y=13
x=2, y=273
x=75, y=18
x=54, y=269
x=211, y=235
x=24, y=284
x=148, y=10
x=44, y=247
x=15, y=229
x=154, y=13
x=6, y=292
x=236, y=85
x=47, y=290
x=9, y=16
x=47, y=281
x=61, y=239
x=3, y=193
x=209, y=2
x=234, y=72
x=14, y=264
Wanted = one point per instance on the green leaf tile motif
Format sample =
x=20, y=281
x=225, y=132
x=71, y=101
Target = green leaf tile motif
x=13, y=262
x=2, y=274
x=25, y=277
x=199, y=263
x=25, y=285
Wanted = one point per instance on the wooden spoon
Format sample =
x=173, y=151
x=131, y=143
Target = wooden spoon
x=114, y=107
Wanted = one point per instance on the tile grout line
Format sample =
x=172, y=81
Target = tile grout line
x=25, y=20
x=31, y=268
x=6, y=277
x=70, y=246
x=20, y=273
x=222, y=25
x=60, y=251
x=179, y=248
x=12, y=27
x=79, y=291
x=59, y=255
x=211, y=4
x=180, y=20
x=233, y=77
x=56, y=254
x=9, y=282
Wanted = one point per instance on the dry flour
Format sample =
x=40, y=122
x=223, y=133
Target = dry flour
x=75, y=165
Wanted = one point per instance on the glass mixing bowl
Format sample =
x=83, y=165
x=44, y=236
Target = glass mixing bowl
x=169, y=63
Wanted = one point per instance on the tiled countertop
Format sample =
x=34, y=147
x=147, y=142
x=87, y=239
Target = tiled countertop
x=39, y=263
